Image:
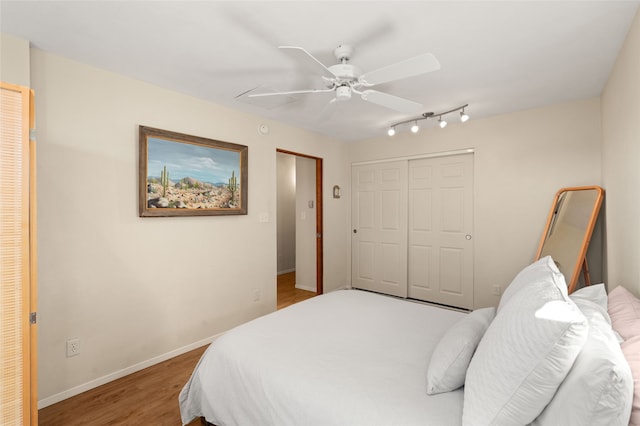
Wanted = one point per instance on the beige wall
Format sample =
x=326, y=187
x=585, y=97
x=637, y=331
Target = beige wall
x=135, y=290
x=520, y=161
x=14, y=60
x=621, y=164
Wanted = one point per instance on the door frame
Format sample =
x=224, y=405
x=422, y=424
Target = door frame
x=319, y=210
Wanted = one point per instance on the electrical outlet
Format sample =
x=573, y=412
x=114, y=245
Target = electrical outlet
x=73, y=347
x=497, y=290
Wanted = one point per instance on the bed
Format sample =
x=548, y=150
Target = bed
x=358, y=358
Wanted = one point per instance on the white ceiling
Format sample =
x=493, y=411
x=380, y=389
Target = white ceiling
x=498, y=57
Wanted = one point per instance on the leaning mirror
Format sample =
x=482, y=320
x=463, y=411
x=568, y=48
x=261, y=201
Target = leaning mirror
x=568, y=231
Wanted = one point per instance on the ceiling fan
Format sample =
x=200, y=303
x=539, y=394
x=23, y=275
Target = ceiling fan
x=345, y=79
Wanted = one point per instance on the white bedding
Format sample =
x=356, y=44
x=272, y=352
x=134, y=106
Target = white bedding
x=344, y=358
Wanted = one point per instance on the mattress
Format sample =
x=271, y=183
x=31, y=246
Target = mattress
x=345, y=358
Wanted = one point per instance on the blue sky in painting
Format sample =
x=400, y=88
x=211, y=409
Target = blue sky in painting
x=189, y=160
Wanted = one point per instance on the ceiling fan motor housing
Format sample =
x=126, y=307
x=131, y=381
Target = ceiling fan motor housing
x=345, y=72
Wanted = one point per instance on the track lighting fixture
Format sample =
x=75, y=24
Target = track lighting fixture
x=442, y=123
x=463, y=116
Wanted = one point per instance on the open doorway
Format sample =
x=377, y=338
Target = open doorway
x=299, y=227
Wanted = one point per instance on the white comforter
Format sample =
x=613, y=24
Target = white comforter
x=344, y=358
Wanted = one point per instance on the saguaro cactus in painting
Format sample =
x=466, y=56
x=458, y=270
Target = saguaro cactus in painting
x=233, y=184
x=164, y=180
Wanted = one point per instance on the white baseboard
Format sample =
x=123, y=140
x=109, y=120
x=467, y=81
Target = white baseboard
x=45, y=402
x=305, y=287
x=343, y=287
x=286, y=271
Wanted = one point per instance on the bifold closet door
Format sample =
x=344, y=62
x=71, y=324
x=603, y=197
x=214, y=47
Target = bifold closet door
x=18, y=404
x=440, y=230
x=379, y=227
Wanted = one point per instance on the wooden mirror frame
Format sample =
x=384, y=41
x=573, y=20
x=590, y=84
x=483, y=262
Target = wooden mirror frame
x=581, y=263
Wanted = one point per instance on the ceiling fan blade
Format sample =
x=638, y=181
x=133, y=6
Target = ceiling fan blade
x=372, y=33
x=417, y=65
x=389, y=101
x=327, y=111
x=323, y=67
x=290, y=92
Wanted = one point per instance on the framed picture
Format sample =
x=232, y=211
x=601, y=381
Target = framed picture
x=183, y=175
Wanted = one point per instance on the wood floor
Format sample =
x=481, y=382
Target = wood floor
x=148, y=397
x=288, y=294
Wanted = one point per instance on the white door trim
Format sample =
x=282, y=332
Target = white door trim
x=416, y=157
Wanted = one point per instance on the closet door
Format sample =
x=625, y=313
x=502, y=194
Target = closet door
x=379, y=227
x=440, y=230
x=18, y=402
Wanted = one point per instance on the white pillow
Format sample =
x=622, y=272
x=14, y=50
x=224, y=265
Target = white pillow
x=599, y=388
x=597, y=296
x=525, y=354
x=595, y=293
x=594, y=297
x=544, y=269
x=451, y=357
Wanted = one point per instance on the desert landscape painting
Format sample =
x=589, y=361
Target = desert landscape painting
x=188, y=176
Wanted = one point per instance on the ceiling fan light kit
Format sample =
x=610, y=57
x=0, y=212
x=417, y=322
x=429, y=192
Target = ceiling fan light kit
x=464, y=117
x=343, y=93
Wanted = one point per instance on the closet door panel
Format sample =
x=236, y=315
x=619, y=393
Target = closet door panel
x=366, y=265
x=440, y=230
x=451, y=267
x=420, y=257
x=379, y=222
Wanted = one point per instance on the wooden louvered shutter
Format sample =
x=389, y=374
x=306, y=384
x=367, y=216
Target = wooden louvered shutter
x=18, y=404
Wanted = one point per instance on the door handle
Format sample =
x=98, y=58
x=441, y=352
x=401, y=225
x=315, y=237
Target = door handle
x=355, y=231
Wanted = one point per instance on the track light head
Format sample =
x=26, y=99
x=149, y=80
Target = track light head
x=391, y=131
x=463, y=116
x=415, y=127
x=442, y=123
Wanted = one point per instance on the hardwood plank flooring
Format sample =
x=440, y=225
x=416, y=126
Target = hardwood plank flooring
x=288, y=294
x=147, y=397
x=150, y=396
